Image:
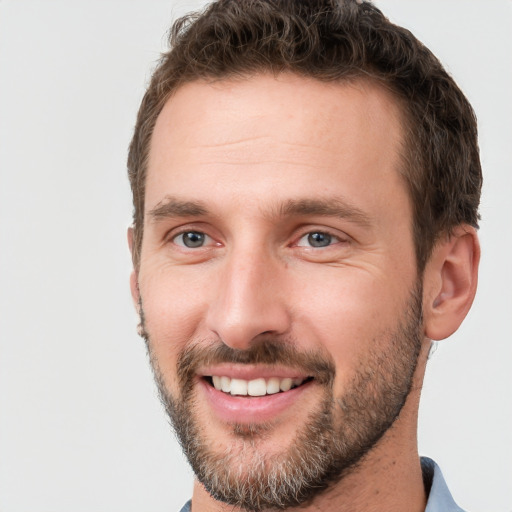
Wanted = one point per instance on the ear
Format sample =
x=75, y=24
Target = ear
x=134, y=278
x=450, y=282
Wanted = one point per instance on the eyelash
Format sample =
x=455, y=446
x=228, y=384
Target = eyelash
x=330, y=238
x=190, y=231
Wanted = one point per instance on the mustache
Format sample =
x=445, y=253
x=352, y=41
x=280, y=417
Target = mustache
x=269, y=352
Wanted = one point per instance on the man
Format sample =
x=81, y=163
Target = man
x=306, y=182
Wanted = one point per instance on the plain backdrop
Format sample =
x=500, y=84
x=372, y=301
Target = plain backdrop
x=81, y=428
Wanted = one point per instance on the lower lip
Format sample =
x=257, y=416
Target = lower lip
x=246, y=409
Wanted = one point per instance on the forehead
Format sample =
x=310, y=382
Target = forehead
x=275, y=136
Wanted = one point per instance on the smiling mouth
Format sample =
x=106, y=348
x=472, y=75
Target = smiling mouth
x=255, y=387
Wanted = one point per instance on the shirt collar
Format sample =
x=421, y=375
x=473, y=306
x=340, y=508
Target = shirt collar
x=439, y=497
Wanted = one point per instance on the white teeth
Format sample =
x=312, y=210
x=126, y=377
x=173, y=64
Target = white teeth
x=238, y=387
x=225, y=384
x=273, y=386
x=285, y=385
x=255, y=387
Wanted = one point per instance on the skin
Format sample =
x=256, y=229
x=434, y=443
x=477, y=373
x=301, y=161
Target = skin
x=244, y=149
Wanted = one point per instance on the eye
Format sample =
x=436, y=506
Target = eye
x=317, y=239
x=191, y=239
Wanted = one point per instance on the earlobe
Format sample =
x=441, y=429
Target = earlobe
x=450, y=282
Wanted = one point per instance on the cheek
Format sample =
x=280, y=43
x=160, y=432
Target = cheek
x=350, y=316
x=174, y=305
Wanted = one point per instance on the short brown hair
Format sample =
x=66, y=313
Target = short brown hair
x=330, y=40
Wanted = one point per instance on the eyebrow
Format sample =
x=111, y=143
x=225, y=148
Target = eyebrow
x=329, y=207
x=173, y=207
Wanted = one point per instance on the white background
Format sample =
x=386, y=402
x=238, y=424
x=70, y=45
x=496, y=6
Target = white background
x=81, y=428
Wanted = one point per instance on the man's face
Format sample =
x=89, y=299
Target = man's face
x=278, y=253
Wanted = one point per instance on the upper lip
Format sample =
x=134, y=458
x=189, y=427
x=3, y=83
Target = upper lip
x=252, y=371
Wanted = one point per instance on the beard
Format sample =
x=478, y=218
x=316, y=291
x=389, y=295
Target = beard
x=333, y=440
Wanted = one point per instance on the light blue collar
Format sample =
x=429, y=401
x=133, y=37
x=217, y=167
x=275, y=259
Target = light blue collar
x=439, y=498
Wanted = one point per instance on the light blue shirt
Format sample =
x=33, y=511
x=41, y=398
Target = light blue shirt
x=439, y=498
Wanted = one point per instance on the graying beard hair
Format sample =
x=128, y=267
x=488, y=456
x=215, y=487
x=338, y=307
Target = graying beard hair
x=267, y=482
x=320, y=455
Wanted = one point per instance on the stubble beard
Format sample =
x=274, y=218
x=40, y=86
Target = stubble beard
x=331, y=443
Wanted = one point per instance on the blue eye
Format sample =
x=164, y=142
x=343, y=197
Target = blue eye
x=317, y=239
x=191, y=239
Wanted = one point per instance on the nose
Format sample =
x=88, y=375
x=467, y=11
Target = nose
x=249, y=301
